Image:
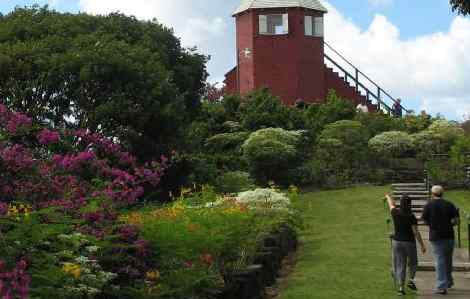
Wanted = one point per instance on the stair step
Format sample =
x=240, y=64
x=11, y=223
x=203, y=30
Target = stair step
x=402, y=189
x=429, y=266
x=409, y=185
x=415, y=192
x=412, y=196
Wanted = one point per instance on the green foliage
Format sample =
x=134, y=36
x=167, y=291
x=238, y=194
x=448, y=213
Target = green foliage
x=437, y=139
x=392, y=144
x=417, y=123
x=459, y=152
x=341, y=153
x=270, y=152
x=203, y=169
x=334, y=109
x=197, y=244
x=226, y=141
x=377, y=123
x=447, y=131
x=263, y=110
x=128, y=78
x=234, y=182
x=461, y=6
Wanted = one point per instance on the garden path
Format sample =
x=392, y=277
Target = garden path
x=426, y=277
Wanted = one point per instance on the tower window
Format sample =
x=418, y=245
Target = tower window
x=314, y=26
x=274, y=24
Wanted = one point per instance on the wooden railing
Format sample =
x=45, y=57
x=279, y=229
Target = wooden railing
x=364, y=84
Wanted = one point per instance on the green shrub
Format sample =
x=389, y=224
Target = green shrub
x=460, y=151
x=392, y=144
x=204, y=169
x=263, y=110
x=270, y=152
x=334, y=109
x=377, y=123
x=226, y=141
x=417, y=123
x=437, y=139
x=341, y=155
x=234, y=182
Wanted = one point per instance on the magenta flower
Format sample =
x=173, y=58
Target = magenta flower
x=3, y=211
x=47, y=136
x=15, y=284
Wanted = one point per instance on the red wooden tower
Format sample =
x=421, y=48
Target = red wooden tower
x=280, y=46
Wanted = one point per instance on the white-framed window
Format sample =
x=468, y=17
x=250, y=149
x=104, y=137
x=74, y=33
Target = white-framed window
x=274, y=24
x=314, y=26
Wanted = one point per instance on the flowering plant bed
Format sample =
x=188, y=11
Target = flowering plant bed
x=73, y=222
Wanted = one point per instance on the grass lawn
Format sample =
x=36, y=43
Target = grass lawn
x=345, y=250
x=462, y=200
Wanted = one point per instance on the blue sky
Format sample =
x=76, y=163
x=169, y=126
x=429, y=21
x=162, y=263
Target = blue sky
x=414, y=49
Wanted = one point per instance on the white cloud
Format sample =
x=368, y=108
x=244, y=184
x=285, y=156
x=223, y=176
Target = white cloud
x=433, y=68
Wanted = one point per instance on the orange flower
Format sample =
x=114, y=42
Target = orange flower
x=193, y=227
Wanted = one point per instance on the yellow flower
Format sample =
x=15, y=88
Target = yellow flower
x=72, y=269
x=293, y=189
x=153, y=275
x=133, y=219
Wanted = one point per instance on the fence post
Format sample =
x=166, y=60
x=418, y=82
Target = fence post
x=357, y=80
x=459, y=234
x=468, y=232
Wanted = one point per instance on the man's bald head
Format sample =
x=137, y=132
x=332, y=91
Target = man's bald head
x=437, y=191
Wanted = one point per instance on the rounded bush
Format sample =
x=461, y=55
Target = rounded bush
x=234, y=181
x=394, y=143
x=271, y=151
x=438, y=138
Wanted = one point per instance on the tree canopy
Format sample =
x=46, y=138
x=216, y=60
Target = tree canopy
x=114, y=74
x=461, y=6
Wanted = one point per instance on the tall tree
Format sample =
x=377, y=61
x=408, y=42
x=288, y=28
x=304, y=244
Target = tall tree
x=127, y=78
x=461, y=6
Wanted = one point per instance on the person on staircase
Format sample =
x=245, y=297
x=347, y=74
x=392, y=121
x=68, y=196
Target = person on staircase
x=404, y=242
x=397, y=109
x=441, y=216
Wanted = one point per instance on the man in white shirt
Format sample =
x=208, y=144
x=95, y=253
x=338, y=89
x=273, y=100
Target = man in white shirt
x=362, y=108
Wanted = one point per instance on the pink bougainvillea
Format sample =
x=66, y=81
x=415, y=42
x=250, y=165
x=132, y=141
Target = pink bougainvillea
x=14, y=122
x=85, y=175
x=47, y=136
x=32, y=171
x=15, y=283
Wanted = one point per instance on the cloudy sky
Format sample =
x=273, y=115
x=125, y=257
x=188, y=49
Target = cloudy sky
x=416, y=50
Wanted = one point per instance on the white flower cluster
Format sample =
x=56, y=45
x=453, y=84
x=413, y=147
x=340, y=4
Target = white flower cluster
x=76, y=239
x=92, y=278
x=264, y=199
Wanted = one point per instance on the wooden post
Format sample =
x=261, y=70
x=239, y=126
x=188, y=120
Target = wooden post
x=357, y=80
x=459, y=233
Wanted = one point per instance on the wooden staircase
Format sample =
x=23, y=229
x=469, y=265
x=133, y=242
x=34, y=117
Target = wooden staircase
x=419, y=194
x=356, y=85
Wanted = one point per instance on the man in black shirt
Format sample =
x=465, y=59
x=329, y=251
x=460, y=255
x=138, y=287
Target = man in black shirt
x=441, y=216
